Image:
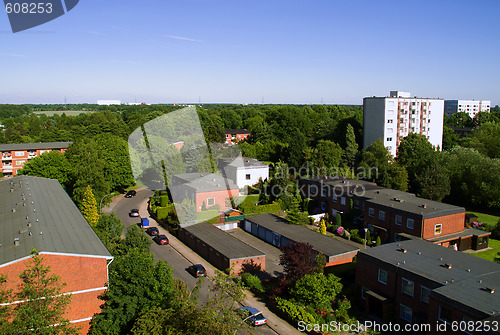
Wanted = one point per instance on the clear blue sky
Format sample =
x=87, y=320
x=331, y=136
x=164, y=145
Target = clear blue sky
x=288, y=51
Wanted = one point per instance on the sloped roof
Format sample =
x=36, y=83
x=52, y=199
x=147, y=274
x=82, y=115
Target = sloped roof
x=40, y=206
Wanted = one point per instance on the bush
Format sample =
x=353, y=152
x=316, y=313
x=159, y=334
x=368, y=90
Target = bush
x=162, y=212
x=378, y=241
x=294, y=312
x=164, y=200
x=252, y=209
x=252, y=283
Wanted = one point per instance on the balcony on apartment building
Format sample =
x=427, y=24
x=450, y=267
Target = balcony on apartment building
x=6, y=156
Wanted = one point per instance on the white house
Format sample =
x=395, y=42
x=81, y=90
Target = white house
x=471, y=107
x=243, y=171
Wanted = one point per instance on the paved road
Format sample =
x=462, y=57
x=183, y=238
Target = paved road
x=180, y=257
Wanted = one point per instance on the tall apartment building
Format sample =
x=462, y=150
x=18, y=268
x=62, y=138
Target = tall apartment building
x=471, y=107
x=15, y=155
x=395, y=117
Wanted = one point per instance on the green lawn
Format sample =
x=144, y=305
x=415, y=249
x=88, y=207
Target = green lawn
x=487, y=219
x=492, y=253
x=250, y=200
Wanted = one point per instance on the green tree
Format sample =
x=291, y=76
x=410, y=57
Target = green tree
x=485, y=139
x=322, y=227
x=88, y=207
x=316, y=289
x=351, y=148
x=450, y=139
x=109, y=229
x=135, y=239
x=433, y=181
x=43, y=306
x=49, y=165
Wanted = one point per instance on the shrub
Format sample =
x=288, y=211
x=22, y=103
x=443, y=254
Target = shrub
x=294, y=312
x=378, y=241
x=163, y=212
x=164, y=201
x=252, y=282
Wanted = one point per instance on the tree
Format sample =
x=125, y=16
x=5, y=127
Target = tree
x=433, y=181
x=485, y=139
x=298, y=259
x=450, y=139
x=322, y=227
x=351, y=148
x=48, y=165
x=135, y=239
x=109, y=228
x=88, y=207
x=316, y=289
x=43, y=306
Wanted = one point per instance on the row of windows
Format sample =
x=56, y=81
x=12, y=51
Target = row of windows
x=407, y=286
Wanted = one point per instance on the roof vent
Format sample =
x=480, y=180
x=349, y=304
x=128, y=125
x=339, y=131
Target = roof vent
x=468, y=270
x=424, y=205
x=13, y=209
x=419, y=253
x=490, y=290
x=447, y=266
x=395, y=199
x=403, y=250
x=16, y=241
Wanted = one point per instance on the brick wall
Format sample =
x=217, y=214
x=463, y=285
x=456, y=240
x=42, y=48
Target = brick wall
x=220, y=198
x=79, y=273
x=449, y=224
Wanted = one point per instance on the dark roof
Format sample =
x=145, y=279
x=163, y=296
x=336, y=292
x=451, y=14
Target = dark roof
x=408, y=203
x=461, y=283
x=57, y=226
x=236, y=131
x=35, y=146
x=204, y=182
x=321, y=243
x=343, y=186
x=242, y=162
x=222, y=242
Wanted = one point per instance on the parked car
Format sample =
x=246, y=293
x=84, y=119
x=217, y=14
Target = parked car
x=130, y=194
x=252, y=316
x=161, y=239
x=134, y=213
x=197, y=270
x=152, y=231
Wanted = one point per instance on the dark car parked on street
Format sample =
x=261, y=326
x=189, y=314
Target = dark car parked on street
x=152, y=231
x=161, y=239
x=197, y=270
x=130, y=194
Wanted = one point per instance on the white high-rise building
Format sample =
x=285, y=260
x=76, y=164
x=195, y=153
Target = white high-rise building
x=395, y=117
x=471, y=107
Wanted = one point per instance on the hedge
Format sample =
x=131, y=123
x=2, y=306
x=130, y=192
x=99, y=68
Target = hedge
x=164, y=201
x=162, y=212
x=269, y=208
x=294, y=312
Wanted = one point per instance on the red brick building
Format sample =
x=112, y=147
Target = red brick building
x=37, y=213
x=394, y=215
x=234, y=136
x=222, y=250
x=206, y=190
x=417, y=282
x=15, y=155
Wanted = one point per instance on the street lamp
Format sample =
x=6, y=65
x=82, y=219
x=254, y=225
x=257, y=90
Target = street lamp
x=100, y=203
x=366, y=232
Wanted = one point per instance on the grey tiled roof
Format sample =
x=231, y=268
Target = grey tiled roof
x=35, y=146
x=222, y=242
x=57, y=226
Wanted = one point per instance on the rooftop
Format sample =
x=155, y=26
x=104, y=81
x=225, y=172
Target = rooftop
x=321, y=243
x=222, y=242
x=37, y=213
x=204, y=182
x=244, y=162
x=236, y=131
x=35, y=146
x=455, y=275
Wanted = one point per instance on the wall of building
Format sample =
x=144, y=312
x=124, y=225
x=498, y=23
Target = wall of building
x=450, y=224
x=219, y=198
x=373, y=120
x=86, y=274
x=19, y=157
x=255, y=173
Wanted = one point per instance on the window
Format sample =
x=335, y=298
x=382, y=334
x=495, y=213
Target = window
x=381, y=215
x=356, y=204
x=389, y=139
x=334, y=197
x=405, y=313
x=425, y=292
x=444, y=314
x=19, y=153
x=407, y=287
x=342, y=200
x=363, y=291
x=437, y=229
x=399, y=220
x=409, y=223
x=323, y=192
x=371, y=212
x=314, y=190
x=20, y=162
x=323, y=206
x=210, y=201
x=396, y=237
x=247, y=176
x=382, y=276
x=389, y=121
x=390, y=130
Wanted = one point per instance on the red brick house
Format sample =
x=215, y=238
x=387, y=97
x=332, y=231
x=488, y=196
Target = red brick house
x=417, y=282
x=394, y=215
x=206, y=190
x=234, y=136
x=37, y=213
x=15, y=155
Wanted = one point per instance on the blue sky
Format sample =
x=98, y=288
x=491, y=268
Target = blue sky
x=243, y=51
